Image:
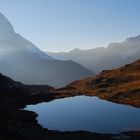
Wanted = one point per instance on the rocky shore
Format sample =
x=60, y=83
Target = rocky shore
x=16, y=123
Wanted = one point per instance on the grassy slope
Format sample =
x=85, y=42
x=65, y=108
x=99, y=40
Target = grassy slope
x=120, y=85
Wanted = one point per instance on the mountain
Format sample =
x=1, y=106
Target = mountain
x=120, y=85
x=23, y=61
x=98, y=59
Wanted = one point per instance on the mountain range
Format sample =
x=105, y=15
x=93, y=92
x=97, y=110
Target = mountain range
x=23, y=61
x=98, y=59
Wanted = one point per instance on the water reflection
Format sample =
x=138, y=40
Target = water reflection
x=86, y=113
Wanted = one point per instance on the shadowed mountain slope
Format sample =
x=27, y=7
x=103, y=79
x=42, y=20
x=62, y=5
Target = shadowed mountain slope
x=23, y=61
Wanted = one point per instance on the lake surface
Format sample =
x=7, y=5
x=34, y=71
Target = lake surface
x=86, y=113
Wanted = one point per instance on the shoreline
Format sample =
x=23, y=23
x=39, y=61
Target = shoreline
x=23, y=124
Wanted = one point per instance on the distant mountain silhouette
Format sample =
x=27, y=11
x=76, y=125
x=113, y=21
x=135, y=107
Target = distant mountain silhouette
x=23, y=61
x=98, y=59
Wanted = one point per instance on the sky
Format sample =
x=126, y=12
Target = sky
x=61, y=25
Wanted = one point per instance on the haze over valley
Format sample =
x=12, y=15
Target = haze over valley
x=23, y=61
x=98, y=59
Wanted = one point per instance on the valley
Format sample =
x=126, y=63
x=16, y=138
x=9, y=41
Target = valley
x=17, y=123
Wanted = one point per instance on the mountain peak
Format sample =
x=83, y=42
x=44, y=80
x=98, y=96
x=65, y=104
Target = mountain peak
x=134, y=39
x=75, y=50
x=5, y=26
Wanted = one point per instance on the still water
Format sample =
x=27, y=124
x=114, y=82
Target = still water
x=86, y=113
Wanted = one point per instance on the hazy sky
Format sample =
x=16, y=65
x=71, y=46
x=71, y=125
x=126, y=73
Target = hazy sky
x=60, y=25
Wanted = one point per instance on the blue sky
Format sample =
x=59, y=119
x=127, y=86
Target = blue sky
x=61, y=25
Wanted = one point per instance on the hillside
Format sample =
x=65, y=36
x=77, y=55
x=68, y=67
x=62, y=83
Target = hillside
x=10, y=87
x=120, y=85
x=11, y=90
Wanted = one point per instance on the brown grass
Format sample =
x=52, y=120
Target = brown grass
x=120, y=85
